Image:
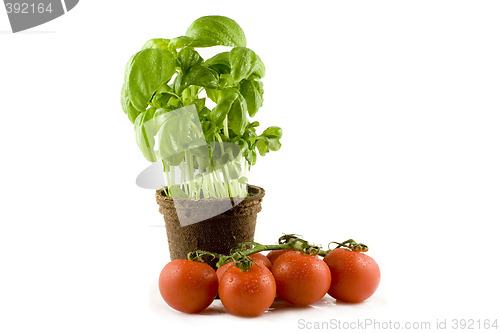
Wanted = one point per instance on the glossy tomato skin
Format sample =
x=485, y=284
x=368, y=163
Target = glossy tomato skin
x=355, y=276
x=301, y=279
x=188, y=286
x=274, y=254
x=222, y=269
x=259, y=259
x=249, y=293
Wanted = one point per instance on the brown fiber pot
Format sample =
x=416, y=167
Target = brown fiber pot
x=217, y=234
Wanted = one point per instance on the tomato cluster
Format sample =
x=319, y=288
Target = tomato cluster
x=298, y=278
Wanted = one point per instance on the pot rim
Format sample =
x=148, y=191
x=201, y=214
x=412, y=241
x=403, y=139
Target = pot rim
x=256, y=193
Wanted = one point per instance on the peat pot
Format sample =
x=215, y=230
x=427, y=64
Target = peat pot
x=218, y=233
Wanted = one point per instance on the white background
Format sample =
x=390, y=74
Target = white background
x=391, y=115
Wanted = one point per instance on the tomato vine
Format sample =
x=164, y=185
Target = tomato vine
x=240, y=254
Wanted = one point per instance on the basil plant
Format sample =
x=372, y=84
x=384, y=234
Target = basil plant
x=166, y=96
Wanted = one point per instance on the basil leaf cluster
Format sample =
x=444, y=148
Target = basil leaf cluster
x=168, y=74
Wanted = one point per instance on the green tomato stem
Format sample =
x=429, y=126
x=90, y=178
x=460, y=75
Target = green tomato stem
x=240, y=254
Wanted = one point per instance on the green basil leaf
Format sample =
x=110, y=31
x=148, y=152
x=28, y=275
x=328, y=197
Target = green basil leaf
x=158, y=119
x=204, y=113
x=157, y=43
x=219, y=63
x=127, y=106
x=200, y=149
x=251, y=157
x=260, y=70
x=173, y=103
x=127, y=69
x=209, y=130
x=274, y=144
x=250, y=134
x=166, y=89
x=273, y=132
x=170, y=139
x=253, y=124
x=253, y=92
x=132, y=113
x=178, y=134
x=232, y=147
x=163, y=96
x=187, y=58
x=202, y=76
x=216, y=30
x=179, y=83
x=262, y=146
x=200, y=104
x=221, y=110
x=269, y=140
x=226, y=81
x=180, y=42
x=176, y=192
x=124, y=97
x=241, y=144
x=190, y=95
x=213, y=94
x=148, y=70
x=244, y=62
x=237, y=116
x=174, y=160
x=145, y=133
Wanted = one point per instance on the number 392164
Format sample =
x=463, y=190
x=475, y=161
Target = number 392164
x=28, y=8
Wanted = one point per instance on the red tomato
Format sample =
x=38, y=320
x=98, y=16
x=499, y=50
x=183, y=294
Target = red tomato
x=188, y=286
x=222, y=269
x=301, y=279
x=355, y=276
x=247, y=293
x=259, y=259
x=274, y=254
